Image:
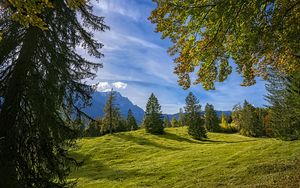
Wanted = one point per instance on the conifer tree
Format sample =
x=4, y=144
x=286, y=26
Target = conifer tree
x=93, y=129
x=131, y=122
x=167, y=122
x=152, y=121
x=193, y=117
x=181, y=120
x=211, y=120
x=283, y=97
x=111, y=115
x=250, y=124
x=40, y=71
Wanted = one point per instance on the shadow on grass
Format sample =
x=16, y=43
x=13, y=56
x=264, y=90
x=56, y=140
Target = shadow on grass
x=227, y=142
x=143, y=141
x=94, y=169
x=178, y=138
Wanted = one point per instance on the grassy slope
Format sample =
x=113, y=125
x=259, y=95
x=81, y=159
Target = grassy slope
x=137, y=159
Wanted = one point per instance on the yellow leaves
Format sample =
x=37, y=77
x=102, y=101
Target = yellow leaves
x=74, y=4
x=30, y=12
x=256, y=34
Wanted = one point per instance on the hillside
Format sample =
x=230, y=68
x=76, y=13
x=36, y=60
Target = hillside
x=137, y=159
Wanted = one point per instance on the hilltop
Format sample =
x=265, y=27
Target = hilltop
x=138, y=159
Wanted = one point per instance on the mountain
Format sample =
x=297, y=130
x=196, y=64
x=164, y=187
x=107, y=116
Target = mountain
x=98, y=102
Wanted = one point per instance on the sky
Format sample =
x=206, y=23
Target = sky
x=136, y=63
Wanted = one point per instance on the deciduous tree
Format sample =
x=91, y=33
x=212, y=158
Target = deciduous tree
x=206, y=34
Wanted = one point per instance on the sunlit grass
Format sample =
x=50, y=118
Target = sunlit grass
x=137, y=159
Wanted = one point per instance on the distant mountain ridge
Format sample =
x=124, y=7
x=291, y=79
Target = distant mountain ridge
x=99, y=99
x=219, y=114
x=98, y=102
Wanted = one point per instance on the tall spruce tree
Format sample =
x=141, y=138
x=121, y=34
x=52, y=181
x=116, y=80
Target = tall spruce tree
x=131, y=122
x=211, y=120
x=112, y=117
x=193, y=117
x=152, y=121
x=250, y=121
x=283, y=97
x=39, y=71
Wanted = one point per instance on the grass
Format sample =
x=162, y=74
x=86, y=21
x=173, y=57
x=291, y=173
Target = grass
x=138, y=159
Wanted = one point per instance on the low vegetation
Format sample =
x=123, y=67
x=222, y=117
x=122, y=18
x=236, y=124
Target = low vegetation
x=174, y=159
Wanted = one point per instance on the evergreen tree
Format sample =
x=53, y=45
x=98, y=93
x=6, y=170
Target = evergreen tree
x=40, y=71
x=236, y=115
x=93, y=129
x=111, y=115
x=121, y=126
x=152, y=121
x=167, y=122
x=131, y=122
x=283, y=97
x=193, y=117
x=250, y=124
x=181, y=120
x=78, y=126
x=211, y=120
x=174, y=122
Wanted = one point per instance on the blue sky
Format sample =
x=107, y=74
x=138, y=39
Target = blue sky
x=136, y=62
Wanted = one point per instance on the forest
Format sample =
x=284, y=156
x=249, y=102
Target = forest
x=50, y=52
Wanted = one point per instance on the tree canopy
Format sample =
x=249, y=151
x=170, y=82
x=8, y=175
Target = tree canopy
x=41, y=74
x=206, y=34
x=153, y=118
x=30, y=13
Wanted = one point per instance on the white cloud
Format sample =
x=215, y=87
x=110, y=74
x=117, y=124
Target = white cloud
x=102, y=86
x=105, y=86
x=124, y=8
x=119, y=85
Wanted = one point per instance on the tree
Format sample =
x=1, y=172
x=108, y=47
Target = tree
x=78, y=126
x=40, y=71
x=174, y=122
x=211, y=120
x=283, y=97
x=152, y=121
x=131, y=122
x=236, y=115
x=181, y=120
x=229, y=119
x=29, y=13
x=167, y=122
x=193, y=117
x=224, y=122
x=111, y=115
x=250, y=123
x=93, y=129
x=255, y=34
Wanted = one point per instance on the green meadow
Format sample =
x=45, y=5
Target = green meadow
x=138, y=159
